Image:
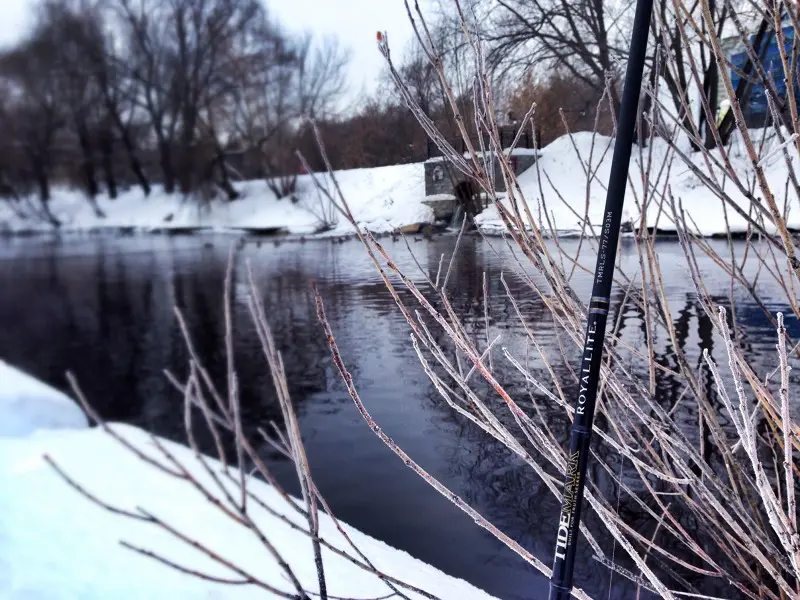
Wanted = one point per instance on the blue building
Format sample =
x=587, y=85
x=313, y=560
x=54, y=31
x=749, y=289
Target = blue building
x=757, y=109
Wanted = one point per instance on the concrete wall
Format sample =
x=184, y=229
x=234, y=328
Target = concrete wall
x=442, y=178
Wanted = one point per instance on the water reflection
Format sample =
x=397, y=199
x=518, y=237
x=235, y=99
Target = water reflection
x=103, y=309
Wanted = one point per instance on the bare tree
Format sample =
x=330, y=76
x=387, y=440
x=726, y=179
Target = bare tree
x=686, y=63
x=563, y=104
x=34, y=116
x=422, y=81
x=147, y=35
x=584, y=38
x=69, y=30
x=285, y=80
x=117, y=92
x=321, y=81
x=205, y=31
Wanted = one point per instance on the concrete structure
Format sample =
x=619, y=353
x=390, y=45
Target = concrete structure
x=444, y=184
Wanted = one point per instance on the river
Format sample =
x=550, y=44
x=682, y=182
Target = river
x=102, y=307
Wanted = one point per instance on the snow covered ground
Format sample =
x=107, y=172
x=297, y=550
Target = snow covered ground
x=55, y=544
x=562, y=182
x=382, y=199
x=26, y=404
x=386, y=198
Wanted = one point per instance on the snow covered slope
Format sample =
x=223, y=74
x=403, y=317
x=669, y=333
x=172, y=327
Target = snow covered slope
x=560, y=180
x=26, y=405
x=56, y=545
x=386, y=198
x=381, y=199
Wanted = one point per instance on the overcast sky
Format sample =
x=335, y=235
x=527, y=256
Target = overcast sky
x=354, y=21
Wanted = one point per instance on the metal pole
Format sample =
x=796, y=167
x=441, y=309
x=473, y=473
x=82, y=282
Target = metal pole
x=580, y=437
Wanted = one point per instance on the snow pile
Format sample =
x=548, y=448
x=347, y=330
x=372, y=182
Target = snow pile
x=27, y=404
x=381, y=199
x=560, y=179
x=384, y=198
x=55, y=544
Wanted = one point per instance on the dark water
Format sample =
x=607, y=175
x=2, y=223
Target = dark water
x=102, y=308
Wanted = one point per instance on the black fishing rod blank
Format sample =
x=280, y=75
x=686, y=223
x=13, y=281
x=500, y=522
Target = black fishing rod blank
x=580, y=437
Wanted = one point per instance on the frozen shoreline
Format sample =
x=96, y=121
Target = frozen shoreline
x=57, y=545
x=385, y=199
x=382, y=199
x=559, y=180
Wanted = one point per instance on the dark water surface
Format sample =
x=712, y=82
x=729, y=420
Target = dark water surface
x=103, y=308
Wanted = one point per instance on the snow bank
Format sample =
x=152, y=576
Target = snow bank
x=55, y=544
x=492, y=153
x=381, y=199
x=27, y=405
x=561, y=181
x=388, y=198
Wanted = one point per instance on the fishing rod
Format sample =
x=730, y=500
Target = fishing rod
x=580, y=437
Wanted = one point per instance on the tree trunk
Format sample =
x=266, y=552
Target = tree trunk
x=39, y=169
x=642, y=124
x=42, y=181
x=89, y=172
x=167, y=169
x=107, y=152
x=186, y=170
x=130, y=148
x=686, y=118
x=133, y=160
x=710, y=85
x=225, y=180
x=616, y=101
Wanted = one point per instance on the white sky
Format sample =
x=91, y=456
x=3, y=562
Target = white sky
x=13, y=20
x=354, y=21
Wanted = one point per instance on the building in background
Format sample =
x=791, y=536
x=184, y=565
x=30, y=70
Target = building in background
x=756, y=109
